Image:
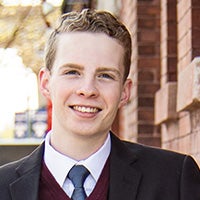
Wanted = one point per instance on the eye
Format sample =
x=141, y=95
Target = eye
x=72, y=72
x=106, y=76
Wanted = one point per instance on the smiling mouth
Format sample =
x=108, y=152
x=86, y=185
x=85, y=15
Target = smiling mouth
x=86, y=109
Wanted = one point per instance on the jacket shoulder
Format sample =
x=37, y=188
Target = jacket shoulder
x=157, y=155
x=12, y=170
x=9, y=168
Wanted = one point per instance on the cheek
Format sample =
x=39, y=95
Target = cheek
x=112, y=97
x=58, y=91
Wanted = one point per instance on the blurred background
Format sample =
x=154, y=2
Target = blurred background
x=164, y=109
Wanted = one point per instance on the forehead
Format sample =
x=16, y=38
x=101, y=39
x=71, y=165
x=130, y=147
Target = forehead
x=88, y=39
x=89, y=47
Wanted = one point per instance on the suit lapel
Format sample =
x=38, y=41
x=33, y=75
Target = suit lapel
x=124, y=177
x=26, y=186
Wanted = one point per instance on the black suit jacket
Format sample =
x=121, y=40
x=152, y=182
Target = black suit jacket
x=137, y=172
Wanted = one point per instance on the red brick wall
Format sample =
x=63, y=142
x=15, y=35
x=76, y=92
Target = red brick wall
x=178, y=100
x=168, y=41
x=165, y=101
x=188, y=75
x=137, y=118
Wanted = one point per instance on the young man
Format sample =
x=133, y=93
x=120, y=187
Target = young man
x=87, y=64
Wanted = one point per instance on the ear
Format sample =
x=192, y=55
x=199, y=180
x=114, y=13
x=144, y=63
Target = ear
x=44, y=78
x=126, y=92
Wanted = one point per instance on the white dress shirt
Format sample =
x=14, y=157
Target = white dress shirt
x=59, y=165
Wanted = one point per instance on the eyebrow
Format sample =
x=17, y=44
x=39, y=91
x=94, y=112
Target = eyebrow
x=72, y=66
x=109, y=69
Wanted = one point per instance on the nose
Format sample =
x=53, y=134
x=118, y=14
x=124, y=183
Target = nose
x=88, y=89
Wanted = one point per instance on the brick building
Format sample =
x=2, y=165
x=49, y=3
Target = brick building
x=164, y=109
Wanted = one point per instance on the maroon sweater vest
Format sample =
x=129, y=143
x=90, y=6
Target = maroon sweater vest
x=49, y=189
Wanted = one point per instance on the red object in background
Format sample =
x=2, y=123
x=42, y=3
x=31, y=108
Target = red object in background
x=49, y=115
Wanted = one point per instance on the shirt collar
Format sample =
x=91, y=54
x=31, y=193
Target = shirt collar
x=60, y=164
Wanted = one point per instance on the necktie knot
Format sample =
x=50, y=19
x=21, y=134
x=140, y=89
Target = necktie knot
x=77, y=175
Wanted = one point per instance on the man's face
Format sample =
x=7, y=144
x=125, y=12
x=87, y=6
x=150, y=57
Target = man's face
x=86, y=84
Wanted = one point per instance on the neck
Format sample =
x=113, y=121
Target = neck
x=77, y=147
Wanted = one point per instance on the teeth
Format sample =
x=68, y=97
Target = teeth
x=85, y=109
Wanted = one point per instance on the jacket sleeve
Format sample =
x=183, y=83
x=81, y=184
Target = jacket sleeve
x=190, y=180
